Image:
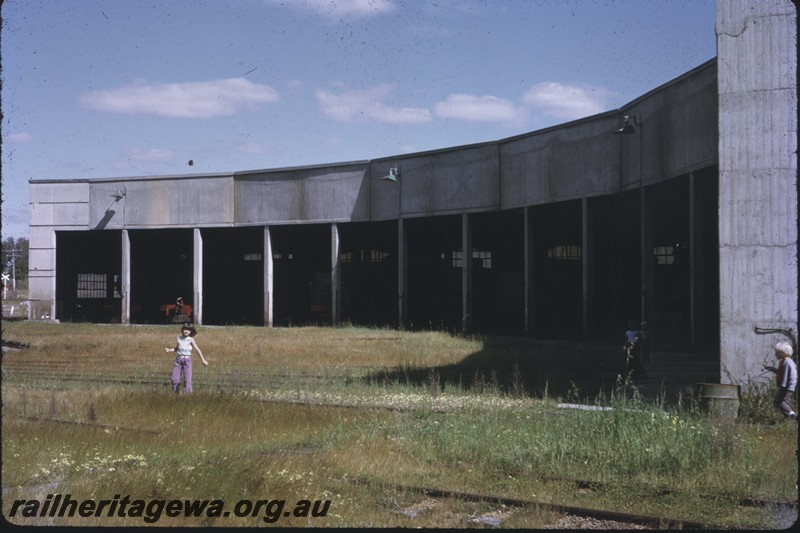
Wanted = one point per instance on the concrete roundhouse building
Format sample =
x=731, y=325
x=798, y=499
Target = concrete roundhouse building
x=679, y=208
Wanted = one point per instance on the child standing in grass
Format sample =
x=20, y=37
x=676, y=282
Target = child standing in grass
x=786, y=378
x=183, y=359
x=633, y=350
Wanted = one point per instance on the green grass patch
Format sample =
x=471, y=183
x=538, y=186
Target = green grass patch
x=351, y=415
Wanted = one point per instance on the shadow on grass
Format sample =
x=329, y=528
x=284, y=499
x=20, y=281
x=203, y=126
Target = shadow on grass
x=521, y=367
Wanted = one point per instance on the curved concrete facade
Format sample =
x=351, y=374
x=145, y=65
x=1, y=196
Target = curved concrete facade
x=571, y=230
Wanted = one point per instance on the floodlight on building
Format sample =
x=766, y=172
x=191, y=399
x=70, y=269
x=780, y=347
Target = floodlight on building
x=394, y=174
x=120, y=194
x=628, y=128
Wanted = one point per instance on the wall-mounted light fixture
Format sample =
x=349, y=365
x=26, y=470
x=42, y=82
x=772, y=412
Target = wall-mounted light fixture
x=629, y=121
x=119, y=195
x=394, y=174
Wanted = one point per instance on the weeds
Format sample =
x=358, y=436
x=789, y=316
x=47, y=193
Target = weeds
x=304, y=426
x=434, y=388
x=756, y=403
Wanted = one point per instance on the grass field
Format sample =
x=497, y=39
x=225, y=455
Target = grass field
x=350, y=416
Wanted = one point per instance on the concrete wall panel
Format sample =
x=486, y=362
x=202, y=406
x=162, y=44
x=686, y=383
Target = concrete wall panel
x=559, y=164
x=677, y=131
x=757, y=83
x=302, y=195
x=71, y=214
x=198, y=201
x=581, y=164
x=57, y=192
x=454, y=180
x=42, y=259
x=39, y=286
x=41, y=214
x=767, y=299
x=525, y=170
x=754, y=30
x=39, y=237
x=384, y=194
x=40, y=293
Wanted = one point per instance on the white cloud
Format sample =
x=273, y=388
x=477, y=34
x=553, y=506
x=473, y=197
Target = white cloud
x=567, y=102
x=21, y=137
x=481, y=109
x=368, y=105
x=336, y=9
x=203, y=99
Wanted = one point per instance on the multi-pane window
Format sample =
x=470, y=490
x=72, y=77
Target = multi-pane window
x=377, y=256
x=571, y=252
x=665, y=255
x=363, y=256
x=458, y=258
x=91, y=286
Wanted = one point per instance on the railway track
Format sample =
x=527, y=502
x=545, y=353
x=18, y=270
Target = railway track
x=647, y=521
x=55, y=377
x=46, y=377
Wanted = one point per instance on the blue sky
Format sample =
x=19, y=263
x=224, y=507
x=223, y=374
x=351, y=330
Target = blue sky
x=115, y=88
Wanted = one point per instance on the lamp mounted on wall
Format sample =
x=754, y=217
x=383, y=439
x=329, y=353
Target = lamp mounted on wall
x=119, y=195
x=394, y=174
x=629, y=128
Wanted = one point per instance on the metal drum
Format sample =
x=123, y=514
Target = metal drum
x=719, y=400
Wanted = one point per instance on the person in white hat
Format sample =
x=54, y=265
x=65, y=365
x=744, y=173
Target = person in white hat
x=785, y=378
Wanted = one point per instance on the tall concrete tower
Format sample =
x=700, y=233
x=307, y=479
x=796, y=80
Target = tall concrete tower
x=757, y=81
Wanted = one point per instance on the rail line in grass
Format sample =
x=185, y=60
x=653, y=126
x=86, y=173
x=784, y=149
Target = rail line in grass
x=44, y=378
x=655, y=522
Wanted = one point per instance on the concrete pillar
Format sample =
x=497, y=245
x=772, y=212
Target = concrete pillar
x=466, y=273
x=336, y=277
x=269, y=269
x=197, y=275
x=587, y=265
x=757, y=86
x=529, y=268
x=402, y=273
x=125, y=279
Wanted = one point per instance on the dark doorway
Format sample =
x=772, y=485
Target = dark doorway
x=88, y=281
x=557, y=280
x=434, y=272
x=233, y=276
x=706, y=269
x=302, y=274
x=669, y=297
x=161, y=271
x=497, y=274
x=368, y=262
x=616, y=221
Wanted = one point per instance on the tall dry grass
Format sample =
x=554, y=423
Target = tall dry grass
x=348, y=415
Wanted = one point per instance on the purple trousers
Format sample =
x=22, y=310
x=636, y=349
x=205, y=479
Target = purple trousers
x=182, y=364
